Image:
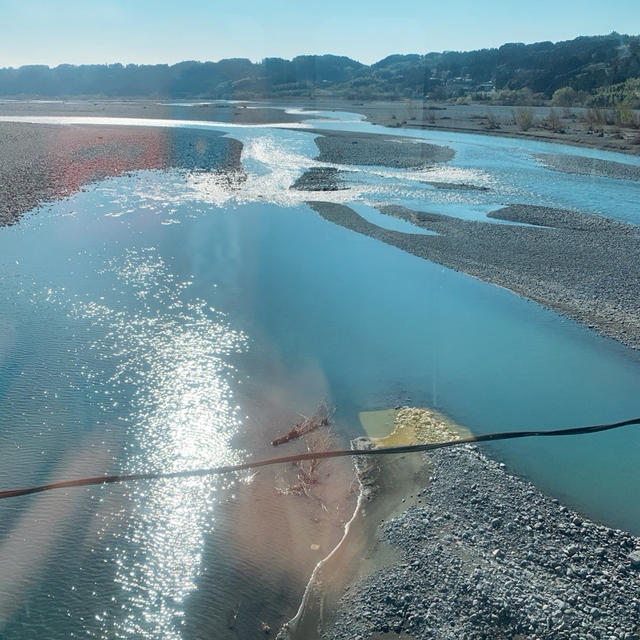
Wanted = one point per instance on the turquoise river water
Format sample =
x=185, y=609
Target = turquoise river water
x=147, y=321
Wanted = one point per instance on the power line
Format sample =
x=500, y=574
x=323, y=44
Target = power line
x=340, y=453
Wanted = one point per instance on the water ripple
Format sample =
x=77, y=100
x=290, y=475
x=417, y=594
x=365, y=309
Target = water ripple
x=175, y=354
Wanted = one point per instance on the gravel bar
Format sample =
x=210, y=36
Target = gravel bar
x=371, y=149
x=589, y=166
x=488, y=556
x=210, y=110
x=320, y=179
x=455, y=186
x=584, y=266
x=40, y=163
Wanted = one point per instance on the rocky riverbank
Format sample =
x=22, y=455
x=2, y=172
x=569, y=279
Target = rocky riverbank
x=210, y=110
x=584, y=266
x=320, y=179
x=367, y=149
x=43, y=162
x=40, y=163
x=589, y=166
x=571, y=126
x=487, y=555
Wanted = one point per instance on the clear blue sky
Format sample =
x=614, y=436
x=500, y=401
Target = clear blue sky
x=147, y=31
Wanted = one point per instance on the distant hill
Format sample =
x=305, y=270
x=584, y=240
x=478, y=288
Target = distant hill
x=514, y=72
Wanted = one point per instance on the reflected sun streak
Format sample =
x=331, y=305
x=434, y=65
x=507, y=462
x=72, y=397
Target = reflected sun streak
x=175, y=354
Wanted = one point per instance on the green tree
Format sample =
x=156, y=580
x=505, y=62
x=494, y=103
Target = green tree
x=567, y=97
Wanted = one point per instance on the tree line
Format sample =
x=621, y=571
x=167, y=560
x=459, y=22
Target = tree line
x=588, y=66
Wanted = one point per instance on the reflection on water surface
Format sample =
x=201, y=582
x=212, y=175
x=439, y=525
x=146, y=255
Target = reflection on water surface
x=173, y=320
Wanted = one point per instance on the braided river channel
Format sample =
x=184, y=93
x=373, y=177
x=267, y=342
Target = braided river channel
x=169, y=320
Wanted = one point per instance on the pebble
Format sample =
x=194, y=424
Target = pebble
x=565, y=579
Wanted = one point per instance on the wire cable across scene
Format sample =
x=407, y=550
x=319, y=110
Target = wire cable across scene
x=339, y=453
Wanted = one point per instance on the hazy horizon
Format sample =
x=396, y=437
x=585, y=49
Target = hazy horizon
x=164, y=32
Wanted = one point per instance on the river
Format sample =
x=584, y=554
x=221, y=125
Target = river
x=162, y=321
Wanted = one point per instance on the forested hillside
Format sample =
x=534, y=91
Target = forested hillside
x=596, y=69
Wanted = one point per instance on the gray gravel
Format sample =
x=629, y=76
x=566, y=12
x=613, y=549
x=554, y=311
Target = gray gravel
x=40, y=163
x=320, y=179
x=584, y=266
x=490, y=556
x=369, y=149
x=589, y=166
x=210, y=110
x=455, y=186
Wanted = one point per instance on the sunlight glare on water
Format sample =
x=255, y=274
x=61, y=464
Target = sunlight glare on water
x=144, y=344
x=175, y=355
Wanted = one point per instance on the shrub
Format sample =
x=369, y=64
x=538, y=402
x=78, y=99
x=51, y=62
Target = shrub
x=553, y=121
x=568, y=97
x=625, y=117
x=597, y=116
x=492, y=120
x=524, y=119
x=518, y=97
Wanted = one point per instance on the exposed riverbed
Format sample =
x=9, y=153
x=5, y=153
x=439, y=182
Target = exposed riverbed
x=181, y=318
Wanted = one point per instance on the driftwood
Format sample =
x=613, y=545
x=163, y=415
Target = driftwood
x=307, y=470
x=320, y=418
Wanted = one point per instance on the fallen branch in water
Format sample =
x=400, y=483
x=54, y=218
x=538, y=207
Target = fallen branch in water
x=320, y=418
